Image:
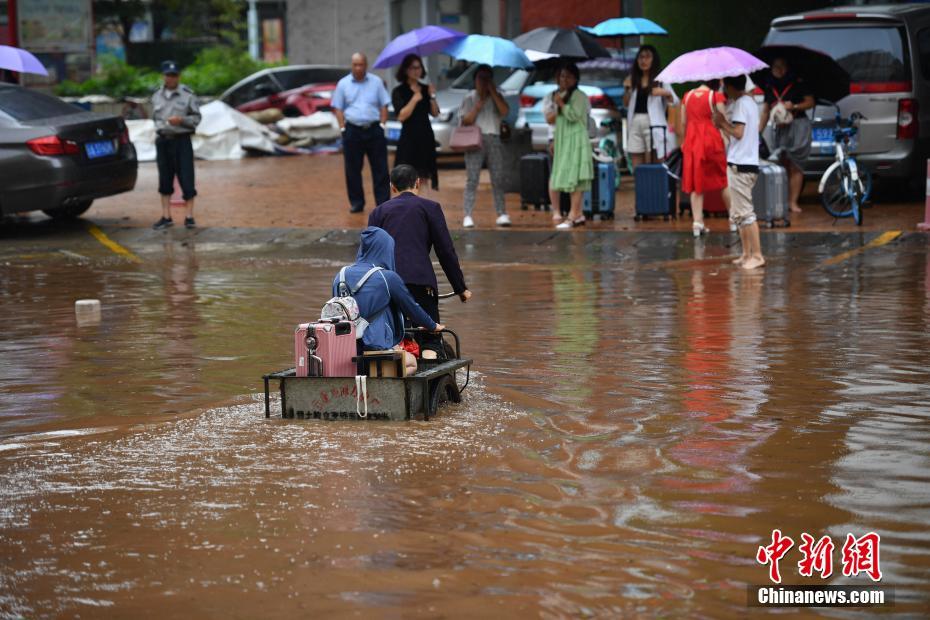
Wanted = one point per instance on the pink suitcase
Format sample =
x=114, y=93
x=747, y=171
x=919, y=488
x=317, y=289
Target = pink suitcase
x=333, y=351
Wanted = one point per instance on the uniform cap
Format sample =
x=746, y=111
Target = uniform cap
x=169, y=67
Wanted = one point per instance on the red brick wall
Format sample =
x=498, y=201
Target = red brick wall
x=566, y=13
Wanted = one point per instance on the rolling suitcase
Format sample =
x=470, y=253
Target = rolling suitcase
x=655, y=192
x=601, y=200
x=655, y=187
x=325, y=349
x=770, y=195
x=534, y=181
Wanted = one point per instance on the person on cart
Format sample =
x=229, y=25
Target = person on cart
x=383, y=299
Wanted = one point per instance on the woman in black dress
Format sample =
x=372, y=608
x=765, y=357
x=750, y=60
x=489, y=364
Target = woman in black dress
x=414, y=101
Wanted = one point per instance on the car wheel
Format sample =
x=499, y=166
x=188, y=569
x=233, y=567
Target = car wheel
x=69, y=212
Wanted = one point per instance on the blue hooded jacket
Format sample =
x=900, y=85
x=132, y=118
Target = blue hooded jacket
x=384, y=298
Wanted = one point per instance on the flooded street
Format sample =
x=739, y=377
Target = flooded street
x=643, y=416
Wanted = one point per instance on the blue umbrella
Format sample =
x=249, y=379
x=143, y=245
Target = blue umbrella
x=421, y=41
x=488, y=50
x=19, y=60
x=625, y=27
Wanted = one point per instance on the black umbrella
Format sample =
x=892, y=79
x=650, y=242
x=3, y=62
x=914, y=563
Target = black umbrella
x=563, y=42
x=821, y=74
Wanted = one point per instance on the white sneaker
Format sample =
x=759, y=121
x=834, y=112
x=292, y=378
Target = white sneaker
x=468, y=222
x=503, y=220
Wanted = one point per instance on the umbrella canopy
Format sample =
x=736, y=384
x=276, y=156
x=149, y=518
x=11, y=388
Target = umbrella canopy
x=625, y=27
x=488, y=50
x=710, y=64
x=421, y=41
x=617, y=64
x=822, y=75
x=561, y=42
x=19, y=60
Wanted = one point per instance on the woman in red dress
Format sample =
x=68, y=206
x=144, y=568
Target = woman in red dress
x=704, y=157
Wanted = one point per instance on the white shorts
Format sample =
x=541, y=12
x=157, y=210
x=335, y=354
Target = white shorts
x=642, y=138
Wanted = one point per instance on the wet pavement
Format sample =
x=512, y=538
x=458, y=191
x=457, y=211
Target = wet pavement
x=644, y=416
x=309, y=192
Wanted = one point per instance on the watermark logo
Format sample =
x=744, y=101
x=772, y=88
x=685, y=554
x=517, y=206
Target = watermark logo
x=859, y=555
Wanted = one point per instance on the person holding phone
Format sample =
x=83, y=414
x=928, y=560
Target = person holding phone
x=414, y=101
x=484, y=106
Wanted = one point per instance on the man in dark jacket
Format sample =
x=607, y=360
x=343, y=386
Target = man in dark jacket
x=417, y=226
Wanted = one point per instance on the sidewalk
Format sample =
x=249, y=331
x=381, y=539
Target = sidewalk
x=309, y=192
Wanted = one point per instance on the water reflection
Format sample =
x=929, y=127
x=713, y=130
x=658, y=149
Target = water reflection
x=633, y=434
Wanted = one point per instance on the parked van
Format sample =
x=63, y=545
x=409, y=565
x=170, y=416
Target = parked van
x=886, y=51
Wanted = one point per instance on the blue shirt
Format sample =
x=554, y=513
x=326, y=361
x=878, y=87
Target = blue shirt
x=361, y=100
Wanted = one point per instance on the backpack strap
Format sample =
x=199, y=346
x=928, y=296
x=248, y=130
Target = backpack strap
x=343, y=288
x=364, y=278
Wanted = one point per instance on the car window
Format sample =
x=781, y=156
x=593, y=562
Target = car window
x=602, y=77
x=250, y=91
x=515, y=81
x=28, y=105
x=923, y=49
x=868, y=53
x=466, y=81
x=295, y=78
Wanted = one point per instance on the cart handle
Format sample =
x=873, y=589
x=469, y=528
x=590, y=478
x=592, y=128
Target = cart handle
x=458, y=347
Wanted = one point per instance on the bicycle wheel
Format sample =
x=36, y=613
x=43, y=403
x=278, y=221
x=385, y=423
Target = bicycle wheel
x=837, y=198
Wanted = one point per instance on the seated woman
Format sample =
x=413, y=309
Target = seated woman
x=383, y=298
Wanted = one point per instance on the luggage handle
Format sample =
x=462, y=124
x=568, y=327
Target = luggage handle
x=664, y=129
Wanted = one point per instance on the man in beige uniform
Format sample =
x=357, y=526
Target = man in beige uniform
x=176, y=117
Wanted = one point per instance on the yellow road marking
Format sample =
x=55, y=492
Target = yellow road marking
x=882, y=239
x=112, y=245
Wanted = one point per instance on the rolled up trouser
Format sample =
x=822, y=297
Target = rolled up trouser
x=741, y=184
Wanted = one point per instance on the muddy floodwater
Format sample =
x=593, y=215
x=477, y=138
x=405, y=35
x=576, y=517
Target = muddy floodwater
x=642, y=416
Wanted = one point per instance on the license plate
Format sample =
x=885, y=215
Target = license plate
x=393, y=134
x=100, y=148
x=822, y=139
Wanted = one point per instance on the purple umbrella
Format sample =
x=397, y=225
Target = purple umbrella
x=710, y=64
x=20, y=60
x=421, y=41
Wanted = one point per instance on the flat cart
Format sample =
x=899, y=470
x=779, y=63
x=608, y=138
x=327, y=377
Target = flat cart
x=376, y=398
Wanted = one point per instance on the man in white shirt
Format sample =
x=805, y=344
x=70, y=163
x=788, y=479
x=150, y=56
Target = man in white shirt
x=360, y=104
x=742, y=166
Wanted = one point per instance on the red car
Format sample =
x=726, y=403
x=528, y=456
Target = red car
x=296, y=90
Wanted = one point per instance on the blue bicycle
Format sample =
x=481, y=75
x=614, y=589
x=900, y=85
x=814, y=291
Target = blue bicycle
x=845, y=187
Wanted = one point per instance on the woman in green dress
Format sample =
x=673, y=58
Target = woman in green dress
x=572, y=161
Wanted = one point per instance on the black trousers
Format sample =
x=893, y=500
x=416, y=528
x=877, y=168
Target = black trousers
x=175, y=157
x=357, y=142
x=428, y=298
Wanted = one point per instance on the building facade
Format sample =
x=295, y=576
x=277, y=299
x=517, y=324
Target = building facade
x=59, y=32
x=330, y=31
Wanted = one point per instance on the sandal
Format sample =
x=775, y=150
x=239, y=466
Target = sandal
x=557, y=217
x=569, y=224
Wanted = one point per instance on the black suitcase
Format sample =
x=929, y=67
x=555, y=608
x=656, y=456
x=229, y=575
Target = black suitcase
x=534, y=181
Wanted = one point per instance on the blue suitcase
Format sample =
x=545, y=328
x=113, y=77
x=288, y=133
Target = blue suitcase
x=655, y=192
x=602, y=198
